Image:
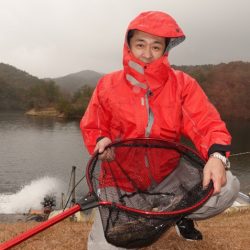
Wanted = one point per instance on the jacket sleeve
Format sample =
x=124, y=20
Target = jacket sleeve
x=202, y=122
x=95, y=122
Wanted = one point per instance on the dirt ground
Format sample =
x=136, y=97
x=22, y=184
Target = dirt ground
x=229, y=231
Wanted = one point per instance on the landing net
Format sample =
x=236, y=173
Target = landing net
x=147, y=186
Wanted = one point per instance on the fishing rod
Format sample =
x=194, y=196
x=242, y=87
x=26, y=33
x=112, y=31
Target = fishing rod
x=73, y=189
x=238, y=154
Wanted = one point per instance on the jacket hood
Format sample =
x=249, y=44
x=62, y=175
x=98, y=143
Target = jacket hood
x=159, y=24
x=153, y=75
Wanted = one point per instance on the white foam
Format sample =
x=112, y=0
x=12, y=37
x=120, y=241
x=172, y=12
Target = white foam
x=30, y=196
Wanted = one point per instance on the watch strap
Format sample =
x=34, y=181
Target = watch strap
x=223, y=159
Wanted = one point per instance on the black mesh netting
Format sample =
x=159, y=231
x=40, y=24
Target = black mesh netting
x=145, y=189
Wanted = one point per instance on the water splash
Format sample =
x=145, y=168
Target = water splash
x=30, y=196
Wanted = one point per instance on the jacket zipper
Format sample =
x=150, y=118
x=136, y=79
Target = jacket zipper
x=147, y=133
x=150, y=114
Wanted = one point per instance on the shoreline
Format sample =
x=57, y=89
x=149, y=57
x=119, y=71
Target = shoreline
x=46, y=112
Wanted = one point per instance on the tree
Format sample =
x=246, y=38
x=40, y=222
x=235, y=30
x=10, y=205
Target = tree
x=75, y=107
x=43, y=95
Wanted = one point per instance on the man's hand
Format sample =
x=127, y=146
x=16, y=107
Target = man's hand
x=105, y=154
x=214, y=170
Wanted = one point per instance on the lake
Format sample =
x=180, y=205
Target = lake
x=37, y=155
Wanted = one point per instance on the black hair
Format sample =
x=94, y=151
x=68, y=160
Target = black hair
x=130, y=35
x=132, y=32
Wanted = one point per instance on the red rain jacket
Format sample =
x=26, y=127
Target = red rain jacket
x=153, y=100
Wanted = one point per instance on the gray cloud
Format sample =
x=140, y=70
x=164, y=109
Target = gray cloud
x=50, y=38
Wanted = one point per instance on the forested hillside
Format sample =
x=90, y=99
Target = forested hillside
x=227, y=86
x=16, y=77
x=22, y=91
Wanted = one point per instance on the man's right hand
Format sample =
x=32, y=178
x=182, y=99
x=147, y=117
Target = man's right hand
x=104, y=154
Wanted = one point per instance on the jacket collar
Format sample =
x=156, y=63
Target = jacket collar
x=145, y=76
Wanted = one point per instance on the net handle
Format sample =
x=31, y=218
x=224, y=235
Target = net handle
x=87, y=203
x=39, y=228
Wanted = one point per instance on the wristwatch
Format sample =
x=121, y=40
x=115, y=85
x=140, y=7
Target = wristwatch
x=223, y=158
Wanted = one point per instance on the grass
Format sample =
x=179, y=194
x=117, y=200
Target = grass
x=228, y=231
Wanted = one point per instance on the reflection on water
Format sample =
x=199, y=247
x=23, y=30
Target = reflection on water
x=34, y=147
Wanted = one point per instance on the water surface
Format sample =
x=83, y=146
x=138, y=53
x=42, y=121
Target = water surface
x=34, y=147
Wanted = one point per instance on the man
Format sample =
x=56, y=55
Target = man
x=150, y=99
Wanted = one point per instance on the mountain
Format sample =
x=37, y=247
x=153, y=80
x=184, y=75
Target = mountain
x=14, y=85
x=16, y=77
x=73, y=82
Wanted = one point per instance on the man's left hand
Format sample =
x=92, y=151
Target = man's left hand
x=214, y=170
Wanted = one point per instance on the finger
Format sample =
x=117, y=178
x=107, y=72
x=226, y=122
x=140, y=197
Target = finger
x=101, y=149
x=103, y=155
x=206, y=179
x=217, y=186
x=224, y=180
x=96, y=148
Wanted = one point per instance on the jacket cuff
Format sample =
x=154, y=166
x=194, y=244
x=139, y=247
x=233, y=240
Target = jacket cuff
x=222, y=149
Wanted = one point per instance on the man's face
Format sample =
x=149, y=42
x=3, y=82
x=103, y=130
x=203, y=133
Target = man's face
x=147, y=47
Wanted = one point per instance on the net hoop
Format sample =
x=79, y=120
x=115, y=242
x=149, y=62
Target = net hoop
x=129, y=142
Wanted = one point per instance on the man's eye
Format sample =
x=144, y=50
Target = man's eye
x=156, y=48
x=139, y=45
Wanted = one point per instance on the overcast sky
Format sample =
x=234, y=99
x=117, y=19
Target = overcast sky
x=52, y=38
